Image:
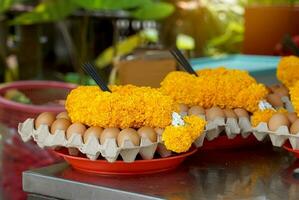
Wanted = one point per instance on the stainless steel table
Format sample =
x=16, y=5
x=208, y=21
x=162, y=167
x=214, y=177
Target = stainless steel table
x=258, y=173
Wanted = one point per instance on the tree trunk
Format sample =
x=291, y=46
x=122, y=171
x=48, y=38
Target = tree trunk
x=29, y=52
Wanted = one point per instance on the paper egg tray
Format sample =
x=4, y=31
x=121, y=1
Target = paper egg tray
x=278, y=137
x=92, y=148
x=232, y=127
x=287, y=103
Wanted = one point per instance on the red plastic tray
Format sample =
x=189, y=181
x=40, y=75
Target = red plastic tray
x=287, y=146
x=223, y=142
x=104, y=167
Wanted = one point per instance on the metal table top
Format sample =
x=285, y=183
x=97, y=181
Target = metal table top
x=258, y=173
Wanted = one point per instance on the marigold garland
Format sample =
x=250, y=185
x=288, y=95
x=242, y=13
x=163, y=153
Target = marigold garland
x=215, y=87
x=287, y=70
x=264, y=115
x=180, y=138
x=261, y=116
x=127, y=106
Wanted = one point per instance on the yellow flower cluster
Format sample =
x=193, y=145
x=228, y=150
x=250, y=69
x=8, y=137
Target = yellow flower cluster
x=264, y=115
x=215, y=87
x=261, y=116
x=127, y=106
x=180, y=138
x=287, y=70
x=294, y=93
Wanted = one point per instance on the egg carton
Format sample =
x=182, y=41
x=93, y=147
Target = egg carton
x=92, y=148
x=287, y=103
x=278, y=137
x=232, y=127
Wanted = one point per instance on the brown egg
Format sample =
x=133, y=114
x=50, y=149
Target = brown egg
x=60, y=124
x=128, y=134
x=159, y=131
x=183, y=108
x=281, y=91
x=94, y=130
x=292, y=116
x=214, y=112
x=240, y=112
x=196, y=110
x=268, y=89
x=75, y=128
x=275, y=100
x=273, y=87
x=63, y=115
x=109, y=133
x=229, y=113
x=46, y=118
x=295, y=127
x=148, y=132
x=277, y=120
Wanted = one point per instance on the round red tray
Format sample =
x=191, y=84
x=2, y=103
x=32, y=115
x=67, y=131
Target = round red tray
x=223, y=142
x=287, y=146
x=104, y=167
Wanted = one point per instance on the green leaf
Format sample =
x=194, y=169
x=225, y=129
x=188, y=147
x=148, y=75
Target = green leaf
x=124, y=47
x=153, y=11
x=47, y=11
x=5, y=4
x=109, y=4
x=89, y=4
x=185, y=42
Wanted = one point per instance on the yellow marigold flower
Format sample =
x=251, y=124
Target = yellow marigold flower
x=195, y=125
x=264, y=115
x=287, y=70
x=215, y=87
x=282, y=110
x=126, y=106
x=294, y=93
x=180, y=138
x=249, y=98
x=180, y=86
x=261, y=116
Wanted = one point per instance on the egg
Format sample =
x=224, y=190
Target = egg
x=240, y=112
x=147, y=132
x=75, y=128
x=281, y=91
x=183, y=108
x=214, y=112
x=292, y=116
x=46, y=118
x=63, y=115
x=229, y=113
x=128, y=134
x=94, y=130
x=273, y=87
x=159, y=131
x=196, y=110
x=295, y=127
x=109, y=133
x=277, y=120
x=60, y=124
x=275, y=100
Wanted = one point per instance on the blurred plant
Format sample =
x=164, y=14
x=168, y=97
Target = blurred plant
x=185, y=42
x=273, y=2
x=216, y=26
x=57, y=10
x=126, y=46
x=53, y=10
x=230, y=37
